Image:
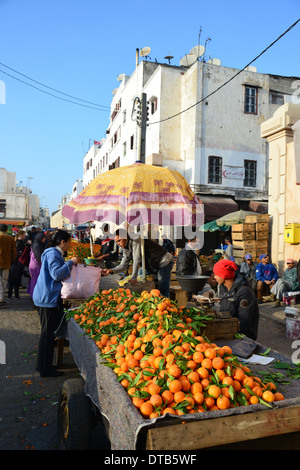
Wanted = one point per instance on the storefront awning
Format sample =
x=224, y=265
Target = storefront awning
x=216, y=207
x=258, y=206
x=12, y=222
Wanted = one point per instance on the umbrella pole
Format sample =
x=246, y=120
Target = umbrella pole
x=91, y=244
x=143, y=258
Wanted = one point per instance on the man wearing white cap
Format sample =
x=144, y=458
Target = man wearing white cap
x=288, y=282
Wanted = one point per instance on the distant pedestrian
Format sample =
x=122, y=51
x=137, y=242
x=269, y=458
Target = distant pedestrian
x=47, y=298
x=38, y=247
x=8, y=254
x=14, y=279
x=168, y=244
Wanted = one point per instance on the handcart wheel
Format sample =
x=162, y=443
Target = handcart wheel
x=74, y=416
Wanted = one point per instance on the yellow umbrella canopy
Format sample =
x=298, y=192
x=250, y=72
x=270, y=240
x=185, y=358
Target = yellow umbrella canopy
x=137, y=194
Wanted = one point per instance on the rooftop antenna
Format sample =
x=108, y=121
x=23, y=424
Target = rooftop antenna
x=169, y=57
x=208, y=39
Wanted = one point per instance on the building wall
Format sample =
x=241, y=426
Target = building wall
x=284, y=192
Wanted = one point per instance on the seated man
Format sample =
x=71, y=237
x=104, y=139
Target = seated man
x=248, y=268
x=288, y=282
x=210, y=286
x=266, y=275
x=237, y=297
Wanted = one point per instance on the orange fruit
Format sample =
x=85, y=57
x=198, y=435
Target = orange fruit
x=198, y=357
x=153, y=388
x=268, y=396
x=179, y=396
x=186, y=384
x=174, y=370
x=156, y=400
x=257, y=390
x=203, y=372
x=253, y=400
x=238, y=374
x=210, y=353
x=169, y=410
x=209, y=402
x=278, y=396
x=146, y=409
x=196, y=387
x=137, y=401
x=207, y=363
x=193, y=376
x=223, y=402
x=167, y=396
x=175, y=386
x=214, y=391
x=218, y=363
x=198, y=397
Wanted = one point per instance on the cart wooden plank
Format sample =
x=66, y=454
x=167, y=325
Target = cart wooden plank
x=225, y=430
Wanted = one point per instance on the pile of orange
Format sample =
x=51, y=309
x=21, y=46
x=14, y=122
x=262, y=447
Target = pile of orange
x=162, y=359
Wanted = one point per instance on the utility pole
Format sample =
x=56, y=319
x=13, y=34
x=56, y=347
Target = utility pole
x=144, y=106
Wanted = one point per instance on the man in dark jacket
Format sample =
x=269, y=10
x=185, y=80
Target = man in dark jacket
x=237, y=297
x=157, y=260
x=187, y=261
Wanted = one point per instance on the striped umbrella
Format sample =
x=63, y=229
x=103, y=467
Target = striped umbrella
x=137, y=194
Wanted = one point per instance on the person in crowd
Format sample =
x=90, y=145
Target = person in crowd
x=248, y=268
x=8, y=254
x=168, y=244
x=14, y=279
x=38, y=247
x=288, y=282
x=109, y=248
x=47, y=298
x=229, y=249
x=157, y=260
x=211, y=284
x=237, y=297
x=188, y=263
x=266, y=275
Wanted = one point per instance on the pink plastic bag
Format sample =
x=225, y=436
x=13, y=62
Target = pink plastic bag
x=82, y=282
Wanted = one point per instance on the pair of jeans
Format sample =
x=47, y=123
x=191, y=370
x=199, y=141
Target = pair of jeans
x=4, y=273
x=164, y=278
x=50, y=319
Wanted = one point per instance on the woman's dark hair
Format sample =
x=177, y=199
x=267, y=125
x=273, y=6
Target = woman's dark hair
x=59, y=236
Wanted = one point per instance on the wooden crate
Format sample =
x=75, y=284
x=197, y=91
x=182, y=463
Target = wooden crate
x=179, y=295
x=244, y=244
x=243, y=228
x=262, y=246
x=262, y=227
x=243, y=236
x=240, y=254
x=222, y=328
x=262, y=236
x=253, y=219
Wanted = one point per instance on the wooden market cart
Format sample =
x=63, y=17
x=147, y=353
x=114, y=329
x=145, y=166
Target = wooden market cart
x=97, y=395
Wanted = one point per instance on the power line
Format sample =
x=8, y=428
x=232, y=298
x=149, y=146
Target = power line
x=96, y=106
x=227, y=81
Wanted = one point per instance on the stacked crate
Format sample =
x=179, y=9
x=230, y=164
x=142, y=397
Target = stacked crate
x=251, y=237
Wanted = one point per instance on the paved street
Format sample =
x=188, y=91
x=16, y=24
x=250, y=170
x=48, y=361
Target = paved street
x=28, y=404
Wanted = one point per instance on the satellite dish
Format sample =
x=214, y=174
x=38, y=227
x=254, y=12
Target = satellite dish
x=214, y=61
x=198, y=51
x=188, y=60
x=251, y=68
x=121, y=77
x=145, y=51
x=169, y=57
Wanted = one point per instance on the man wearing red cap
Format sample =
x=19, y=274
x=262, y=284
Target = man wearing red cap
x=237, y=297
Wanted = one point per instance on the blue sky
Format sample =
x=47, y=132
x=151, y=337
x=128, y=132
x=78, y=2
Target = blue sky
x=80, y=48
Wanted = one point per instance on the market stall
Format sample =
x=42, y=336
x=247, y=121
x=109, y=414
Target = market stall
x=117, y=393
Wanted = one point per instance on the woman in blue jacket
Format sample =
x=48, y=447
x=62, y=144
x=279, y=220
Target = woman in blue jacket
x=47, y=299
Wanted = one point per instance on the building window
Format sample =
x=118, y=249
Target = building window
x=153, y=104
x=250, y=173
x=276, y=98
x=124, y=149
x=215, y=170
x=250, y=100
x=131, y=142
x=2, y=208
